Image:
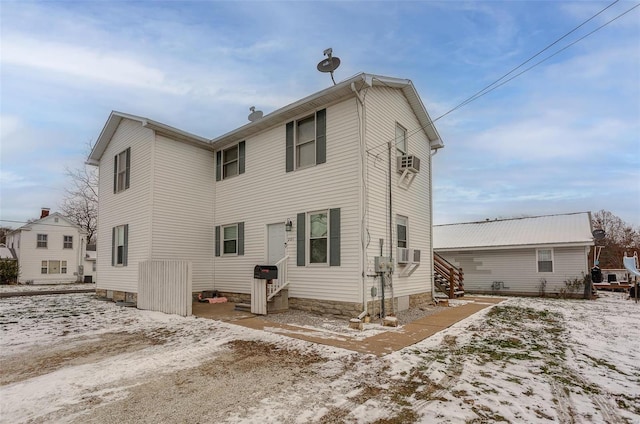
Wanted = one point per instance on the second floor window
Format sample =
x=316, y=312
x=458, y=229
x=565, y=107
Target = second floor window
x=230, y=161
x=306, y=141
x=42, y=240
x=401, y=140
x=121, y=171
x=68, y=242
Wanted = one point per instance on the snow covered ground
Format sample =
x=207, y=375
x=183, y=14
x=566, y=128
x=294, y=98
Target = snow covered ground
x=73, y=358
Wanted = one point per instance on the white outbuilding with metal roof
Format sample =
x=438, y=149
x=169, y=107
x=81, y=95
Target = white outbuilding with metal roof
x=539, y=255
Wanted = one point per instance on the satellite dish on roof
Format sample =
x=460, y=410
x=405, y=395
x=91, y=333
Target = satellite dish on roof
x=329, y=64
x=255, y=114
x=598, y=234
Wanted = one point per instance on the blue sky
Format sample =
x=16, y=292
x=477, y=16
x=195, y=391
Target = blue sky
x=563, y=137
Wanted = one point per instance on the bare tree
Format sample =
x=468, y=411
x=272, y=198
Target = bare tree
x=80, y=203
x=620, y=237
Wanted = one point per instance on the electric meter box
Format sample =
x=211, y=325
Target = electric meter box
x=383, y=264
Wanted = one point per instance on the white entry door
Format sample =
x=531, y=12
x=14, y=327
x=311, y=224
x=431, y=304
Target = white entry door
x=275, y=242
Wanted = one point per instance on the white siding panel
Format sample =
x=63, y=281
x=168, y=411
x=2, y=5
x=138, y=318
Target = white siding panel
x=517, y=269
x=182, y=207
x=266, y=194
x=385, y=107
x=131, y=206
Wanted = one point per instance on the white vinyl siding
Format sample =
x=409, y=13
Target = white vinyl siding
x=335, y=184
x=386, y=107
x=517, y=270
x=168, y=210
x=131, y=206
x=182, y=213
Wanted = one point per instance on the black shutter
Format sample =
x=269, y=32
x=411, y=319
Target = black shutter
x=334, y=237
x=115, y=173
x=241, y=153
x=128, y=169
x=113, y=246
x=289, y=150
x=217, y=240
x=240, y=238
x=301, y=239
x=125, y=252
x=218, y=165
x=321, y=136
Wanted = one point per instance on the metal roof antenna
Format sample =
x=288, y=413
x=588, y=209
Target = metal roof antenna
x=329, y=64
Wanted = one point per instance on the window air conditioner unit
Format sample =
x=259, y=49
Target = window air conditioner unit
x=416, y=255
x=405, y=255
x=410, y=163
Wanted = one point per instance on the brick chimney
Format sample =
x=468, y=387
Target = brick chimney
x=44, y=213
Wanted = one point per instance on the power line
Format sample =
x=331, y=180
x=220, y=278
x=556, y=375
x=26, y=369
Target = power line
x=494, y=85
x=481, y=92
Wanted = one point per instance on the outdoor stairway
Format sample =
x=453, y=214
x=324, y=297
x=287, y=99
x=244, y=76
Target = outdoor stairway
x=447, y=278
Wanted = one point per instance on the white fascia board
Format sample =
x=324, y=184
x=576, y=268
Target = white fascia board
x=325, y=97
x=514, y=247
x=116, y=117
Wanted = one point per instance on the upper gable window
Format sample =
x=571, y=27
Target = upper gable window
x=306, y=141
x=401, y=140
x=230, y=161
x=121, y=171
x=42, y=240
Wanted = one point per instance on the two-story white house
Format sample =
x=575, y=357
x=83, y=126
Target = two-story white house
x=50, y=250
x=324, y=186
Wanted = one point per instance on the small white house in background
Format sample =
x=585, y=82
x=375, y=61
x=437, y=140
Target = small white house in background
x=320, y=187
x=522, y=256
x=50, y=250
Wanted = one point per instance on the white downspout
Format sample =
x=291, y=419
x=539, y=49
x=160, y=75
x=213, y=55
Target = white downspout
x=360, y=110
x=433, y=286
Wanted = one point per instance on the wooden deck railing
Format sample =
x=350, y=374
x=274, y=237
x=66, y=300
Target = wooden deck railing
x=447, y=277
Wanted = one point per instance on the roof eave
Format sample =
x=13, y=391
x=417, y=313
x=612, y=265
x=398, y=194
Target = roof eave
x=330, y=95
x=116, y=117
x=516, y=246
